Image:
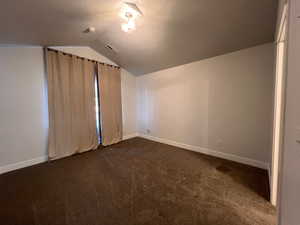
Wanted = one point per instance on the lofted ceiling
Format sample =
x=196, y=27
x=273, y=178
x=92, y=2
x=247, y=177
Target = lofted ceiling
x=170, y=33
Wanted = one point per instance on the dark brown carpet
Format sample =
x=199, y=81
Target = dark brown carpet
x=136, y=182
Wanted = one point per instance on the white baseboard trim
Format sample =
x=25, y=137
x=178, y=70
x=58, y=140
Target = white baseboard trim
x=235, y=158
x=239, y=159
x=31, y=162
x=130, y=136
x=19, y=165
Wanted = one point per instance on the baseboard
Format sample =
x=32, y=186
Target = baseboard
x=243, y=160
x=19, y=165
x=23, y=164
x=235, y=158
x=130, y=136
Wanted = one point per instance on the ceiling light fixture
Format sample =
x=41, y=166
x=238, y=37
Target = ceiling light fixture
x=129, y=12
x=129, y=26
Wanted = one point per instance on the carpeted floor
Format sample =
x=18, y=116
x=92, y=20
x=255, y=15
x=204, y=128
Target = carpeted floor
x=136, y=182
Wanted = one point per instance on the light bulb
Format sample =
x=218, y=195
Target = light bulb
x=128, y=26
x=131, y=24
x=124, y=27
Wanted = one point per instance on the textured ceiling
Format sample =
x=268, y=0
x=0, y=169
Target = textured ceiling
x=171, y=32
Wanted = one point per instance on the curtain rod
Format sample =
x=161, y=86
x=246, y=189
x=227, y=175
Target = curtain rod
x=94, y=61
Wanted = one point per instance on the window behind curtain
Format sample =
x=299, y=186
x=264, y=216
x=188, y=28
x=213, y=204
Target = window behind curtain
x=98, y=123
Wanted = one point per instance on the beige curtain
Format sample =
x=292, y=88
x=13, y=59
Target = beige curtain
x=72, y=116
x=109, y=79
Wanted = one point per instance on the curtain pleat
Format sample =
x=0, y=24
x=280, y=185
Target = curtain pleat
x=109, y=79
x=72, y=116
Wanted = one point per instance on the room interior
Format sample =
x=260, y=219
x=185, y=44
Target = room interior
x=149, y=112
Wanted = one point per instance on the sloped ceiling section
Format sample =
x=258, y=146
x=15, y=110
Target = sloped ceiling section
x=171, y=32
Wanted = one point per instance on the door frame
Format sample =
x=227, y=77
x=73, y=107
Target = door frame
x=279, y=106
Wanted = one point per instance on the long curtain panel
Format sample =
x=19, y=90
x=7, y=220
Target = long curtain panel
x=109, y=82
x=71, y=99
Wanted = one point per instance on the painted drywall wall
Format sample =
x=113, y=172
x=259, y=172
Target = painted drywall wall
x=23, y=108
x=85, y=52
x=128, y=85
x=222, y=104
x=290, y=182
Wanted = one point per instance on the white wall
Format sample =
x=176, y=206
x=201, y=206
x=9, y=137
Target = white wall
x=128, y=83
x=222, y=104
x=85, y=52
x=290, y=186
x=23, y=108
